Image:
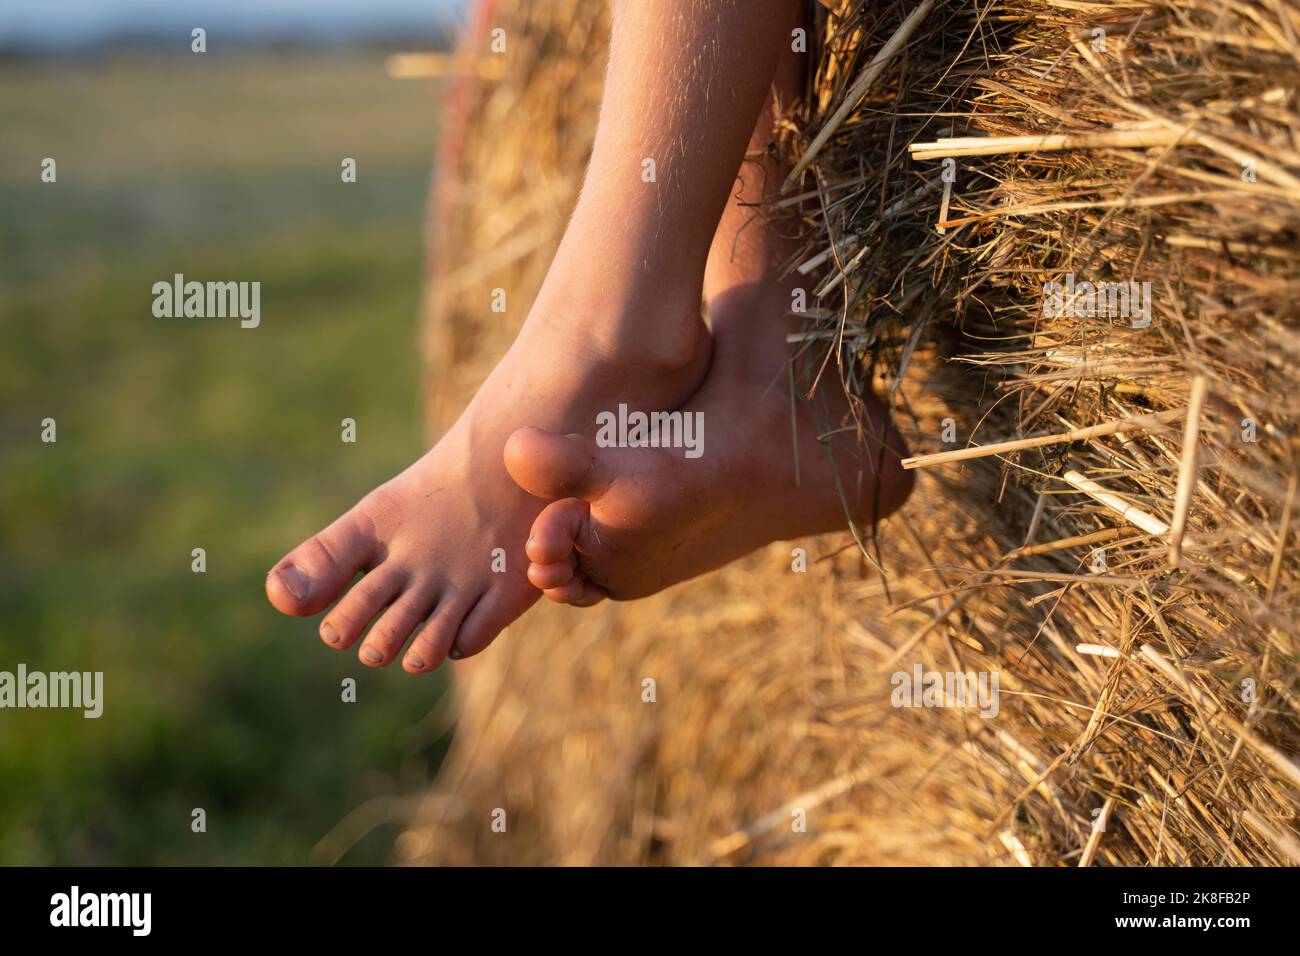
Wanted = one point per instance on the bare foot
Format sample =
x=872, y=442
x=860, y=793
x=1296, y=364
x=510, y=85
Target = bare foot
x=427, y=540
x=626, y=522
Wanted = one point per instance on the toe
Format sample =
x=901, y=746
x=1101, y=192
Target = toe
x=576, y=592
x=434, y=638
x=547, y=576
x=555, y=531
x=556, y=466
x=491, y=615
x=560, y=533
x=391, y=631
x=310, y=576
x=345, y=622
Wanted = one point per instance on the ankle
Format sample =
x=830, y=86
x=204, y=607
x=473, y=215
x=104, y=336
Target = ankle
x=671, y=340
x=661, y=333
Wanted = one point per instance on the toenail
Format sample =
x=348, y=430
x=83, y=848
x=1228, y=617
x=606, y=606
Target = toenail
x=414, y=662
x=454, y=654
x=328, y=634
x=294, y=581
x=370, y=655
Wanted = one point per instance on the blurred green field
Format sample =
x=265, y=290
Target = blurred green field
x=182, y=433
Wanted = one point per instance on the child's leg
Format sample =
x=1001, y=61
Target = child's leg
x=742, y=242
x=616, y=322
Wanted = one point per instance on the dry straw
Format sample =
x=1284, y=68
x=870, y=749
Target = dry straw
x=1111, y=531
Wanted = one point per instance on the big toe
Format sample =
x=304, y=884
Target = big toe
x=555, y=466
x=493, y=613
x=313, y=574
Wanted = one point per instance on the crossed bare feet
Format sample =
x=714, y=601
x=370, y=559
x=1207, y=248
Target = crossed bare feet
x=622, y=522
x=518, y=498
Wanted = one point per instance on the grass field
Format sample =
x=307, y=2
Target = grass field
x=175, y=434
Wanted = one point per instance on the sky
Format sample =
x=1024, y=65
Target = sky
x=69, y=24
